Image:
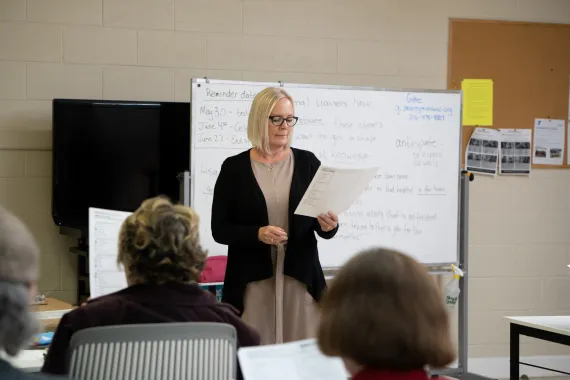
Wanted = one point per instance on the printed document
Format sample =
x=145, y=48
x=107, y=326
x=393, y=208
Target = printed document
x=334, y=189
x=548, y=142
x=105, y=275
x=482, y=151
x=301, y=360
x=477, y=102
x=515, y=151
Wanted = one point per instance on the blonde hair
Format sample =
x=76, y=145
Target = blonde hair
x=159, y=243
x=261, y=109
x=384, y=311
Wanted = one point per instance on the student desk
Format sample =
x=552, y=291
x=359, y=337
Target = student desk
x=554, y=329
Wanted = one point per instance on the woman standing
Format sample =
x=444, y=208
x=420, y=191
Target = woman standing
x=273, y=275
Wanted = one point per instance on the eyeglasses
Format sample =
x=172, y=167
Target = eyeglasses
x=278, y=120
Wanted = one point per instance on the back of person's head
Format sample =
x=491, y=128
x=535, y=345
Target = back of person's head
x=19, y=267
x=159, y=243
x=384, y=311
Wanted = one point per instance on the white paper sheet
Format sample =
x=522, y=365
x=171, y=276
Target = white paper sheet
x=515, y=151
x=28, y=360
x=51, y=314
x=105, y=275
x=301, y=360
x=482, y=152
x=334, y=189
x=548, y=142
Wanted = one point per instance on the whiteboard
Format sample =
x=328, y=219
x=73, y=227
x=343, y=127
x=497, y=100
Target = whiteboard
x=413, y=136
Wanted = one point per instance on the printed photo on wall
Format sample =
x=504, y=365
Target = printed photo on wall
x=482, y=151
x=515, y=151
x=548, y=142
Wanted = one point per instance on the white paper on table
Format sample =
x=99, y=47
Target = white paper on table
x=50, y=314
x=334, y=189
x=548, y=146
x=301, y=360
x=105, y=275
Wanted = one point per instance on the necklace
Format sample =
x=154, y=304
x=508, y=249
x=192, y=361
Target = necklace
x=269, y=166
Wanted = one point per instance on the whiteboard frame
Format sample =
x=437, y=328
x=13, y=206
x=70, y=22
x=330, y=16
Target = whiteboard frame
x=434, y=267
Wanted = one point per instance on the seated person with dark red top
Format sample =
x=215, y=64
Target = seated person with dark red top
x=160, y=252
x=385, y=317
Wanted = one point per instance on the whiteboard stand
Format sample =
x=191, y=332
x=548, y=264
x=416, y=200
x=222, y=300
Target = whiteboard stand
x=330, y=112
x=461, y=371
x=184, y=181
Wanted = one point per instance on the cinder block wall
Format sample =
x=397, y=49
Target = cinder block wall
x=149, y=50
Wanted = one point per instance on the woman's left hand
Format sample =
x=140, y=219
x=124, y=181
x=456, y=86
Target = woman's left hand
x=328, y=221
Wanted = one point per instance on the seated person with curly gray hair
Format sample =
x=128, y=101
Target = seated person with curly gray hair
x=19, y=262
x=160, y=251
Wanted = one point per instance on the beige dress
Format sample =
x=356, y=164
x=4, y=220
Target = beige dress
x=280, y=308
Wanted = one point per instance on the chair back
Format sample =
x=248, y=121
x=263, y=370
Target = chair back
x=169, y=351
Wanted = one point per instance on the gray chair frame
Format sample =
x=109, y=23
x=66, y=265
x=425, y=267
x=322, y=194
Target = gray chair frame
x=169, y=351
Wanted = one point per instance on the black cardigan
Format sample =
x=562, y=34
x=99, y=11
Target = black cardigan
x=239, y=211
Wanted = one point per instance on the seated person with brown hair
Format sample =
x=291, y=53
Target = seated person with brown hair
x=385, y=317
x=160, y=251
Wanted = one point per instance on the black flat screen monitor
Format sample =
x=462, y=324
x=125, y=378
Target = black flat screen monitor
x=115, y=154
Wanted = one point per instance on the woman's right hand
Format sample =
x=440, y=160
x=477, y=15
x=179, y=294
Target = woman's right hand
x=272, y=235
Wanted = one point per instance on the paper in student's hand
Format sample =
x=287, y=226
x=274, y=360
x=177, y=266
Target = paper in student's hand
x=334, y=189
x=301, y=360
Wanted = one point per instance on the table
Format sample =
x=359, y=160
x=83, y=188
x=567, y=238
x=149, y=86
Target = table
x=29, y=360
x=554, y=329
x=50, y=313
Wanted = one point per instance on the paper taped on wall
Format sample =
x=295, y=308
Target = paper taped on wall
x=477, y=102
x=482, y=151
x=515, y=151
x=548, y=142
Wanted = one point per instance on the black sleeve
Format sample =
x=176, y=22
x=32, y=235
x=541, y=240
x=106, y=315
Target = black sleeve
x=247, y=336
x=57, y=354
x=225, y=230
x=315, y=164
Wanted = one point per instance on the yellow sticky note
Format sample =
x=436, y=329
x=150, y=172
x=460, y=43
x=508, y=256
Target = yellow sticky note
x=477, y=102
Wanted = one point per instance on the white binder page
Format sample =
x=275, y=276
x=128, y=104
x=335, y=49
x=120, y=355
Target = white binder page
x=105, y=275
x=334, y=189
x=301, y=360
